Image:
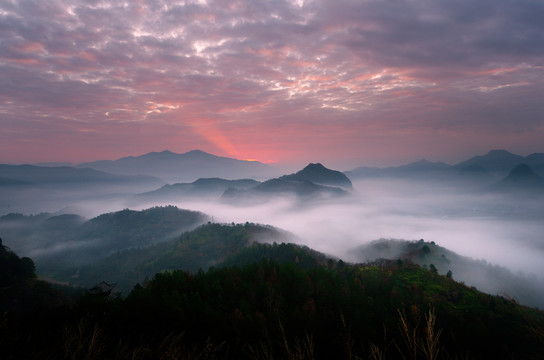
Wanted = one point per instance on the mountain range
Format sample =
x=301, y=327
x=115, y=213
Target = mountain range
x=31, y=188
x=314, y=181
x=188, y=166
x=64, y=176
x=493, y=165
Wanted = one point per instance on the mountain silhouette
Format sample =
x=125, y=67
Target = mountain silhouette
x=64, y=175
x=188, y=166
x=319, y=174
x=495, y=161
x=522, y=178
x=202, y=188
x=313, y=182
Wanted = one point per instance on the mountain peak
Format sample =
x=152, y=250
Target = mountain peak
x=521, y=179
x=314, y=167
x=523, y=172
x=498, y=152
x=196, y=152
x=319, y=174
x=495, y=161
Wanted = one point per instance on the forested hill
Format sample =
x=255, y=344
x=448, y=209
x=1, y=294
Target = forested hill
x=200, y=248
x=68, y=240
x=267, y=309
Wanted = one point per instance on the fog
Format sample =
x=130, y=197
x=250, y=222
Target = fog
x=502, y=230
x=499, y=230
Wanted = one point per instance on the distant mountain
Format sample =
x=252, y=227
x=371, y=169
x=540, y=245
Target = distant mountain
x=65, y=175
x=496, y=161
x=483, y=169
x=536, y=161
x=521, y=179
x=307, y=184
x=424, y=165
x=32, y=189
x=364, y=172
x=55, y=164
x=191, y=165
x=419, y=169
x=318, y=174
x=300, y=188
x=204, y=188
x=12, y=182
x=488, y=278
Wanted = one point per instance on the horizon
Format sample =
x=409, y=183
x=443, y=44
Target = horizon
x=351, y=83
x=287, y=166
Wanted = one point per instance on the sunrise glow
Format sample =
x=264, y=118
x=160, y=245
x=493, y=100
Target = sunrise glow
x=361, y=81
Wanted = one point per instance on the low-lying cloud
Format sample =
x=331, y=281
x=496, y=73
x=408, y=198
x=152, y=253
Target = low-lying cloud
x=477, y=226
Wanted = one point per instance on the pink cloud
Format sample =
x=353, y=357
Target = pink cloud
x=270, y=78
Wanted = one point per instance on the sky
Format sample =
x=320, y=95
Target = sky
x=345, y=82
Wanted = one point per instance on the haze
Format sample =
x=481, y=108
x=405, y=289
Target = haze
x=481, y=227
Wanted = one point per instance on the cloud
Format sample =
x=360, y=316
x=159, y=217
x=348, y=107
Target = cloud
x=378, y=68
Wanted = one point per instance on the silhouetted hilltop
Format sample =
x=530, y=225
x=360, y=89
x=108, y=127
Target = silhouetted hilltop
x=319, y=174
x=521, y=179
x=523, y=174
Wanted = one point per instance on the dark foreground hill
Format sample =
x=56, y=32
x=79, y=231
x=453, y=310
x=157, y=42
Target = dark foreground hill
x=264, y=309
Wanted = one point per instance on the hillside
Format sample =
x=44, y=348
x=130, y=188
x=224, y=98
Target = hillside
x=486, y=277
x=66, y=240
x=268, y=309
x=201, y=248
